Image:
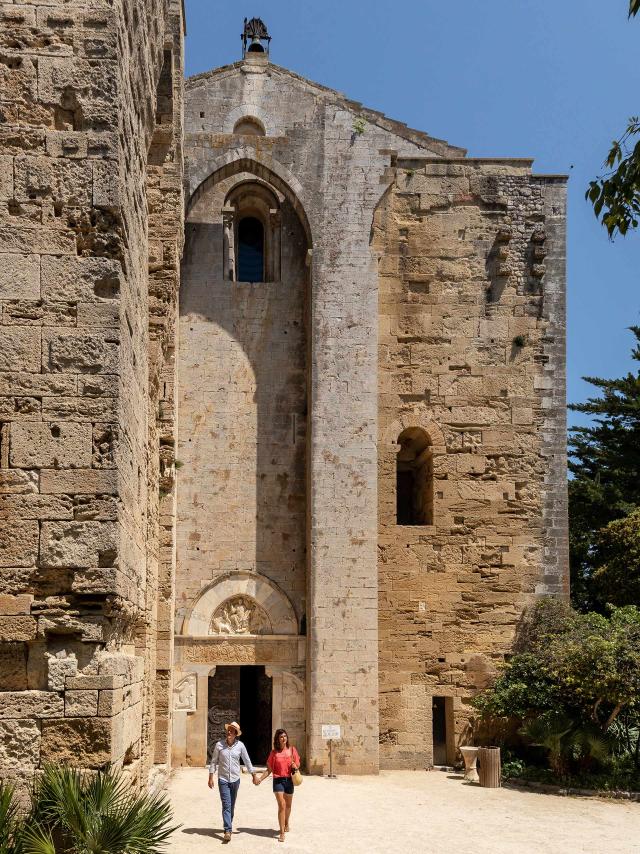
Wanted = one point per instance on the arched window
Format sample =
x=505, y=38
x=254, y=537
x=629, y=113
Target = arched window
x=250, y=250
x=251, y=233
x=414, y=478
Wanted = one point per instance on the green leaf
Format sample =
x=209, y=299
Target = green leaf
x=37, y=840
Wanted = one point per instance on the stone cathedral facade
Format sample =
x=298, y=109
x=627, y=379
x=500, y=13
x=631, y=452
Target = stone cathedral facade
x=282, y=428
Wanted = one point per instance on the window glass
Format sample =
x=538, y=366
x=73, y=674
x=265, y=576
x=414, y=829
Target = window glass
x=250, y=250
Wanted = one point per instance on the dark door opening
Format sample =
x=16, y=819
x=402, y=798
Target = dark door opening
x=255, y=707
x=243, y=694
x=439, y=731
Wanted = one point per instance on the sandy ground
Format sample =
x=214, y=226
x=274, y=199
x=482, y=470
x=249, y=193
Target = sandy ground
x=402, y=811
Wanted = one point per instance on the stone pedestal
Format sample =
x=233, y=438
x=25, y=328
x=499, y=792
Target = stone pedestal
x=470, y=756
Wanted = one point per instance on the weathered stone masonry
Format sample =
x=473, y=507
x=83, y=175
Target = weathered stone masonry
x=459, y=264
x=90, y=199
x=472, y=352
x=219, y=480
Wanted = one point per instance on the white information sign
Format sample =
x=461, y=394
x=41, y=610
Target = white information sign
x=331, y=731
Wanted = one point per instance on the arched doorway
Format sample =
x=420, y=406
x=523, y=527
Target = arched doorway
x=239, y=656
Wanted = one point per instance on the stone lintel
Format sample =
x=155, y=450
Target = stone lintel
x=241, y=649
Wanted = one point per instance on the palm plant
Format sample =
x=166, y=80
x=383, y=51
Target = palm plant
x=567, y=740
x=9, y=821
x=82, y=813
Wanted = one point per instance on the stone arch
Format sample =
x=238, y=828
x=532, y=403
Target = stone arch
x=249, y=126
x=257, y=588
x=253, y=112
x=252, y=199
x=246, y=159
x=412, y=419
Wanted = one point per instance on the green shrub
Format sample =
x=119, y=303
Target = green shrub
x=572, y=689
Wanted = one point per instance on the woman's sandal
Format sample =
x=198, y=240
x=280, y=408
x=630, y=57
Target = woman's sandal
x=281, y=837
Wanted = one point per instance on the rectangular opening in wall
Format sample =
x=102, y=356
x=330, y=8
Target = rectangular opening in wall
x=414, y=478
x=244, y=694
x=440, y=730
x=255, y=708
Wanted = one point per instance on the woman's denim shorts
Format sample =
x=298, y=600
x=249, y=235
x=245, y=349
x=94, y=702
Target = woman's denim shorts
x=283, y=784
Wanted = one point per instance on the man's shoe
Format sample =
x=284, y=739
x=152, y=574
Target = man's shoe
x=227, y=836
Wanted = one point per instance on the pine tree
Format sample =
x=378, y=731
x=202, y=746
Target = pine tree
x=605, y=464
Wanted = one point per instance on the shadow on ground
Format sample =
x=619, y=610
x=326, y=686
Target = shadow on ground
x=218, y=834
x=203, y=831
x=258, y=831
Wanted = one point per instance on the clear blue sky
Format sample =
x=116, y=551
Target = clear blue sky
x=551, y=79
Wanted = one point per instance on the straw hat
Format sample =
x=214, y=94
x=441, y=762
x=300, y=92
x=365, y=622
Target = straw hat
x=235, y=726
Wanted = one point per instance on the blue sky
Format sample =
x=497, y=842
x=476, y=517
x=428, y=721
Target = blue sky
x=551, y=79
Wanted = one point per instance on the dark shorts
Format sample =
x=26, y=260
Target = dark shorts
x=283, y=784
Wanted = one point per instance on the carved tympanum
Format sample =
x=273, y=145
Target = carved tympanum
x=240, y=615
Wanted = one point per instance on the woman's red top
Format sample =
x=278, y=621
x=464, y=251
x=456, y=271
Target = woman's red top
x=280, y=761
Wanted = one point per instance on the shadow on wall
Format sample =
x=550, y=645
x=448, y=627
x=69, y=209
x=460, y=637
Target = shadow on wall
x=268, y=321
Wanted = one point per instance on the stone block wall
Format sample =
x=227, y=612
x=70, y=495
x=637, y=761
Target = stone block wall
x=334, y=176
x=83, y=90
x=243, y=400
x=472, y=337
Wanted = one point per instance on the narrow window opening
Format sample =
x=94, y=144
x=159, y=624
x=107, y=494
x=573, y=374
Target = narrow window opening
x=250, y=250
x=414, y=478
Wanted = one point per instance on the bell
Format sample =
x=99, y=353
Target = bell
x=255, y=46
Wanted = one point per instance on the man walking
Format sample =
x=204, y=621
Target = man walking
x=226, y=758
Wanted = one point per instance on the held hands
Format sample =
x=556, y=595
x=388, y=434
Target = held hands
x=256, y=779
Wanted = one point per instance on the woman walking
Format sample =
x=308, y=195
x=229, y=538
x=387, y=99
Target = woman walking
x=283, y=761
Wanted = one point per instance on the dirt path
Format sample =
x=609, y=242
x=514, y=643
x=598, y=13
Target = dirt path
x=402, y=811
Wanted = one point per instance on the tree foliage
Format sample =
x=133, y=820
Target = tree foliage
x=615, y=196
x=617, y=555
x=573, y=686
x=605, y=464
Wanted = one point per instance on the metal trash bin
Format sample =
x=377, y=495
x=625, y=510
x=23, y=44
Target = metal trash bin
x=489, y=769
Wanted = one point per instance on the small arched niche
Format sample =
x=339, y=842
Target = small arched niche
x=249, y=126
x=414, y=478
x=251, y=217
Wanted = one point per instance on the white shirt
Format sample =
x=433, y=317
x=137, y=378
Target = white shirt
x=226, y=758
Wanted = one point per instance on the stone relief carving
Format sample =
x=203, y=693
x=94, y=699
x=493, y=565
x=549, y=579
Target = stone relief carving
x=240, y=615
x=184, y=694
x=237, y=651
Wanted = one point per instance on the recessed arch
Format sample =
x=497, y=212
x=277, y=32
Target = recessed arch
x=252, y=210
x=249, y=126
x=404, y=422
x=253, y=111
x=246, y=160
x=232, y=585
